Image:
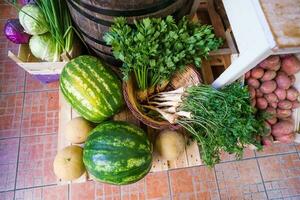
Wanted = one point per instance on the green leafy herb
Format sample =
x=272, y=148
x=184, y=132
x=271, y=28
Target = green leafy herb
x=220, y=120
x=154, y=48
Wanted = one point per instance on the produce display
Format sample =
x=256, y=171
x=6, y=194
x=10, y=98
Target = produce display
x=91, y=88
x=271, y=88
x=152, y=50
x=68, y=164
x=218, y=119
x=155, y=48
x=49, y=23
x=170, y=144
x=117, y=153
x=77, y=130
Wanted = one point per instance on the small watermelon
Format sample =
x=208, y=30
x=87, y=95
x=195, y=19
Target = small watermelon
x=91, y=88
x=117, y=153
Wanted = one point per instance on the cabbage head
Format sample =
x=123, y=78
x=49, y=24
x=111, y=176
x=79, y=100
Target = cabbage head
x=33, y=20
x=44, y=47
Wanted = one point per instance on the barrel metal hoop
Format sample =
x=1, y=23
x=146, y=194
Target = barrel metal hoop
x=127, y=13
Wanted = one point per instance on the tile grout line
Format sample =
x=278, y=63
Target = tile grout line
x=216, y=178
x=169, y=184
x=262, y=178
x=20, y=133
x=29, y=92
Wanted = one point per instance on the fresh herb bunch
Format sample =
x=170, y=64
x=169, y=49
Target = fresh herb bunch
x=154, y=48
x=222, y=120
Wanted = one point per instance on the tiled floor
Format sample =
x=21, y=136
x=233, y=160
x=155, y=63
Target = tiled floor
x=28, y=139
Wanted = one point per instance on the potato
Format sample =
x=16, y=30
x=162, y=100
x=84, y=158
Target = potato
x=271, y=98
x=268, y=87
x=285, y=104
x=261, y=103
x=292, y=94
x=273, y=104
x=259, y=93
x=272, y=120
x=293, y=79
x=253, y=102
x=282, y=113
x=286, y=138
x=271, y=111
x=170, y=144
x=283, y=81
x=268, y=75
x=251, y=92
x=253, y=83
x=282, y=128
x=295, y=104
x=290, y=65
x=271, y=63
x=257, y=73
x=267, y=140
x=247, y=75
x=280, y=93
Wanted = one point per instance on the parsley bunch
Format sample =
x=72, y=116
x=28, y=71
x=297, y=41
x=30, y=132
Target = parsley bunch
x=221, y=120
x=153, y=48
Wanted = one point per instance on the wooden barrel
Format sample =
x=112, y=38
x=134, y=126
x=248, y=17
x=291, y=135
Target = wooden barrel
x=94, y=17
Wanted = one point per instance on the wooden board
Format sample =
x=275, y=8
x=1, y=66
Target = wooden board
x=283, y=17
x=190, y=157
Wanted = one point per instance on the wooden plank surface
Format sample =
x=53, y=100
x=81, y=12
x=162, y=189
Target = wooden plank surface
x=283, y=17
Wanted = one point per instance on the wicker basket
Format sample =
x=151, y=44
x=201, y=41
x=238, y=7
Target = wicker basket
x=189, y=76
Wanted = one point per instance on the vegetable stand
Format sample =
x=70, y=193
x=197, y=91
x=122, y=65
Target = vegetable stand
x=218, y=61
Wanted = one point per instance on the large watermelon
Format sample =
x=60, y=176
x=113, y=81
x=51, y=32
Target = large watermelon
x=117, y=153
x=91, y=88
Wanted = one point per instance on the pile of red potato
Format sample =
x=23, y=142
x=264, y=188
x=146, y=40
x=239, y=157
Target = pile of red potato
x=271, y=89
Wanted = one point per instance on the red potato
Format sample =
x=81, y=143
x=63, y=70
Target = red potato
x=295, y=104
x=271, y=63
x=293, y=79
x=268, y=87
x=251, y=92
x=253, y=83
x=268, y=75
x=257, y=73
x=247, y=75
x=271, y=98
x=271, y=111
x=280, y=93
x=292, y=94
x=272, y=120
x=253, y=102
x=285, y=104
x=290, y=65
x=282, y=113
x=267, y=141
x=286, y=138
x=273, y=104
x=283, y=81
x=282, y=128
x=259, y=93
x=261, y=103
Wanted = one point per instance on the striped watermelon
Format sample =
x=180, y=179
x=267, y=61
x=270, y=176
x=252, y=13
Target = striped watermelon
x=117, y=153
x=91, y=88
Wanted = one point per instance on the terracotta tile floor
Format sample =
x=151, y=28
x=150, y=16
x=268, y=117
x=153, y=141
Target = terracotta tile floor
x=28, y=140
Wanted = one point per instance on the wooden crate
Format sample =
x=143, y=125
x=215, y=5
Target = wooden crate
x=218, y=61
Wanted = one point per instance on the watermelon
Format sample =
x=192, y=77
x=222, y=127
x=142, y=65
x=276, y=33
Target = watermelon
x=117, y=153
x=92, y=89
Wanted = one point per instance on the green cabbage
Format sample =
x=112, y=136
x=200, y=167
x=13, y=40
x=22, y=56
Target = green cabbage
x=33, y=20
x=44, y=47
